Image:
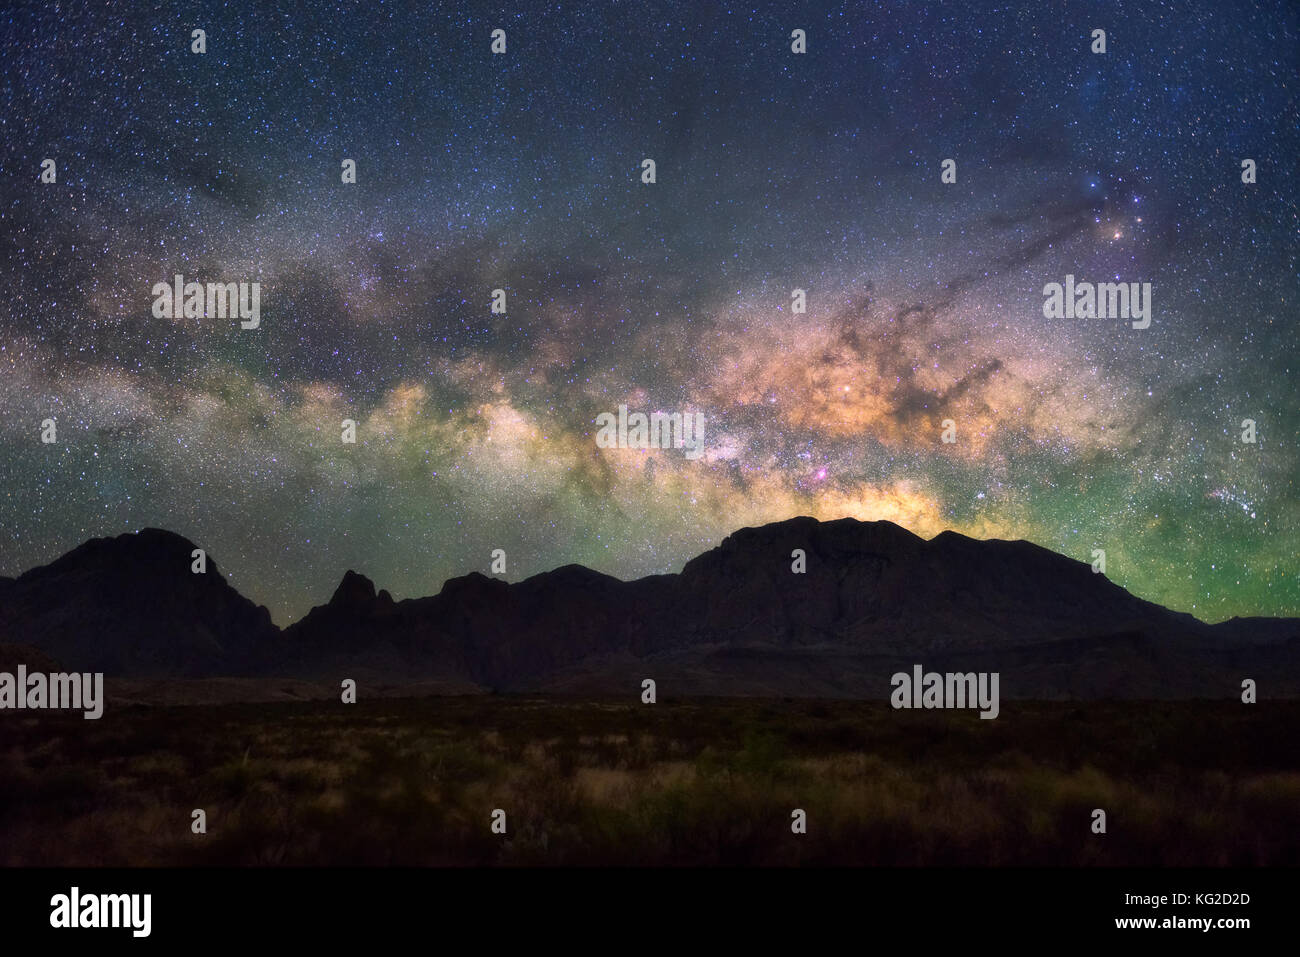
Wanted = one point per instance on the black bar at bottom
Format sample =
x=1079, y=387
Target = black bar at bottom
x=658, y=907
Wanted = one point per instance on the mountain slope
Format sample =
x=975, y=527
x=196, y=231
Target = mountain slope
x=132, y=605
x=874, y=599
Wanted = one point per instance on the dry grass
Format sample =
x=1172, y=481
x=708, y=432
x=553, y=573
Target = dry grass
x=689, y=782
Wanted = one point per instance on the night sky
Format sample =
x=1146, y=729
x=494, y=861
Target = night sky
x=775, y=171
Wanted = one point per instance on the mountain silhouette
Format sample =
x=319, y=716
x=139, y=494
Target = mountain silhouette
x=873, y=599
x=131, y=605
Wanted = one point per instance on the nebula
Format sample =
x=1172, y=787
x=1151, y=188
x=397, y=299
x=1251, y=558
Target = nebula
x=922, y=315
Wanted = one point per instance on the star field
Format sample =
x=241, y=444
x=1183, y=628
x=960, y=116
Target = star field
x=775, y=171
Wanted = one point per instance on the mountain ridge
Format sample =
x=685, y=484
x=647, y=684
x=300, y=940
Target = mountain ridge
x=736, y=618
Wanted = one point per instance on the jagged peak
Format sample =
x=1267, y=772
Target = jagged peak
x=354, y=589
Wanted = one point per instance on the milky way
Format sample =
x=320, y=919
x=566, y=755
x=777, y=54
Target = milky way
x=775, y=171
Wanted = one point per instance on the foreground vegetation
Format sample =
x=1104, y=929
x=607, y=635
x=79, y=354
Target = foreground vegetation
x=414, y=781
